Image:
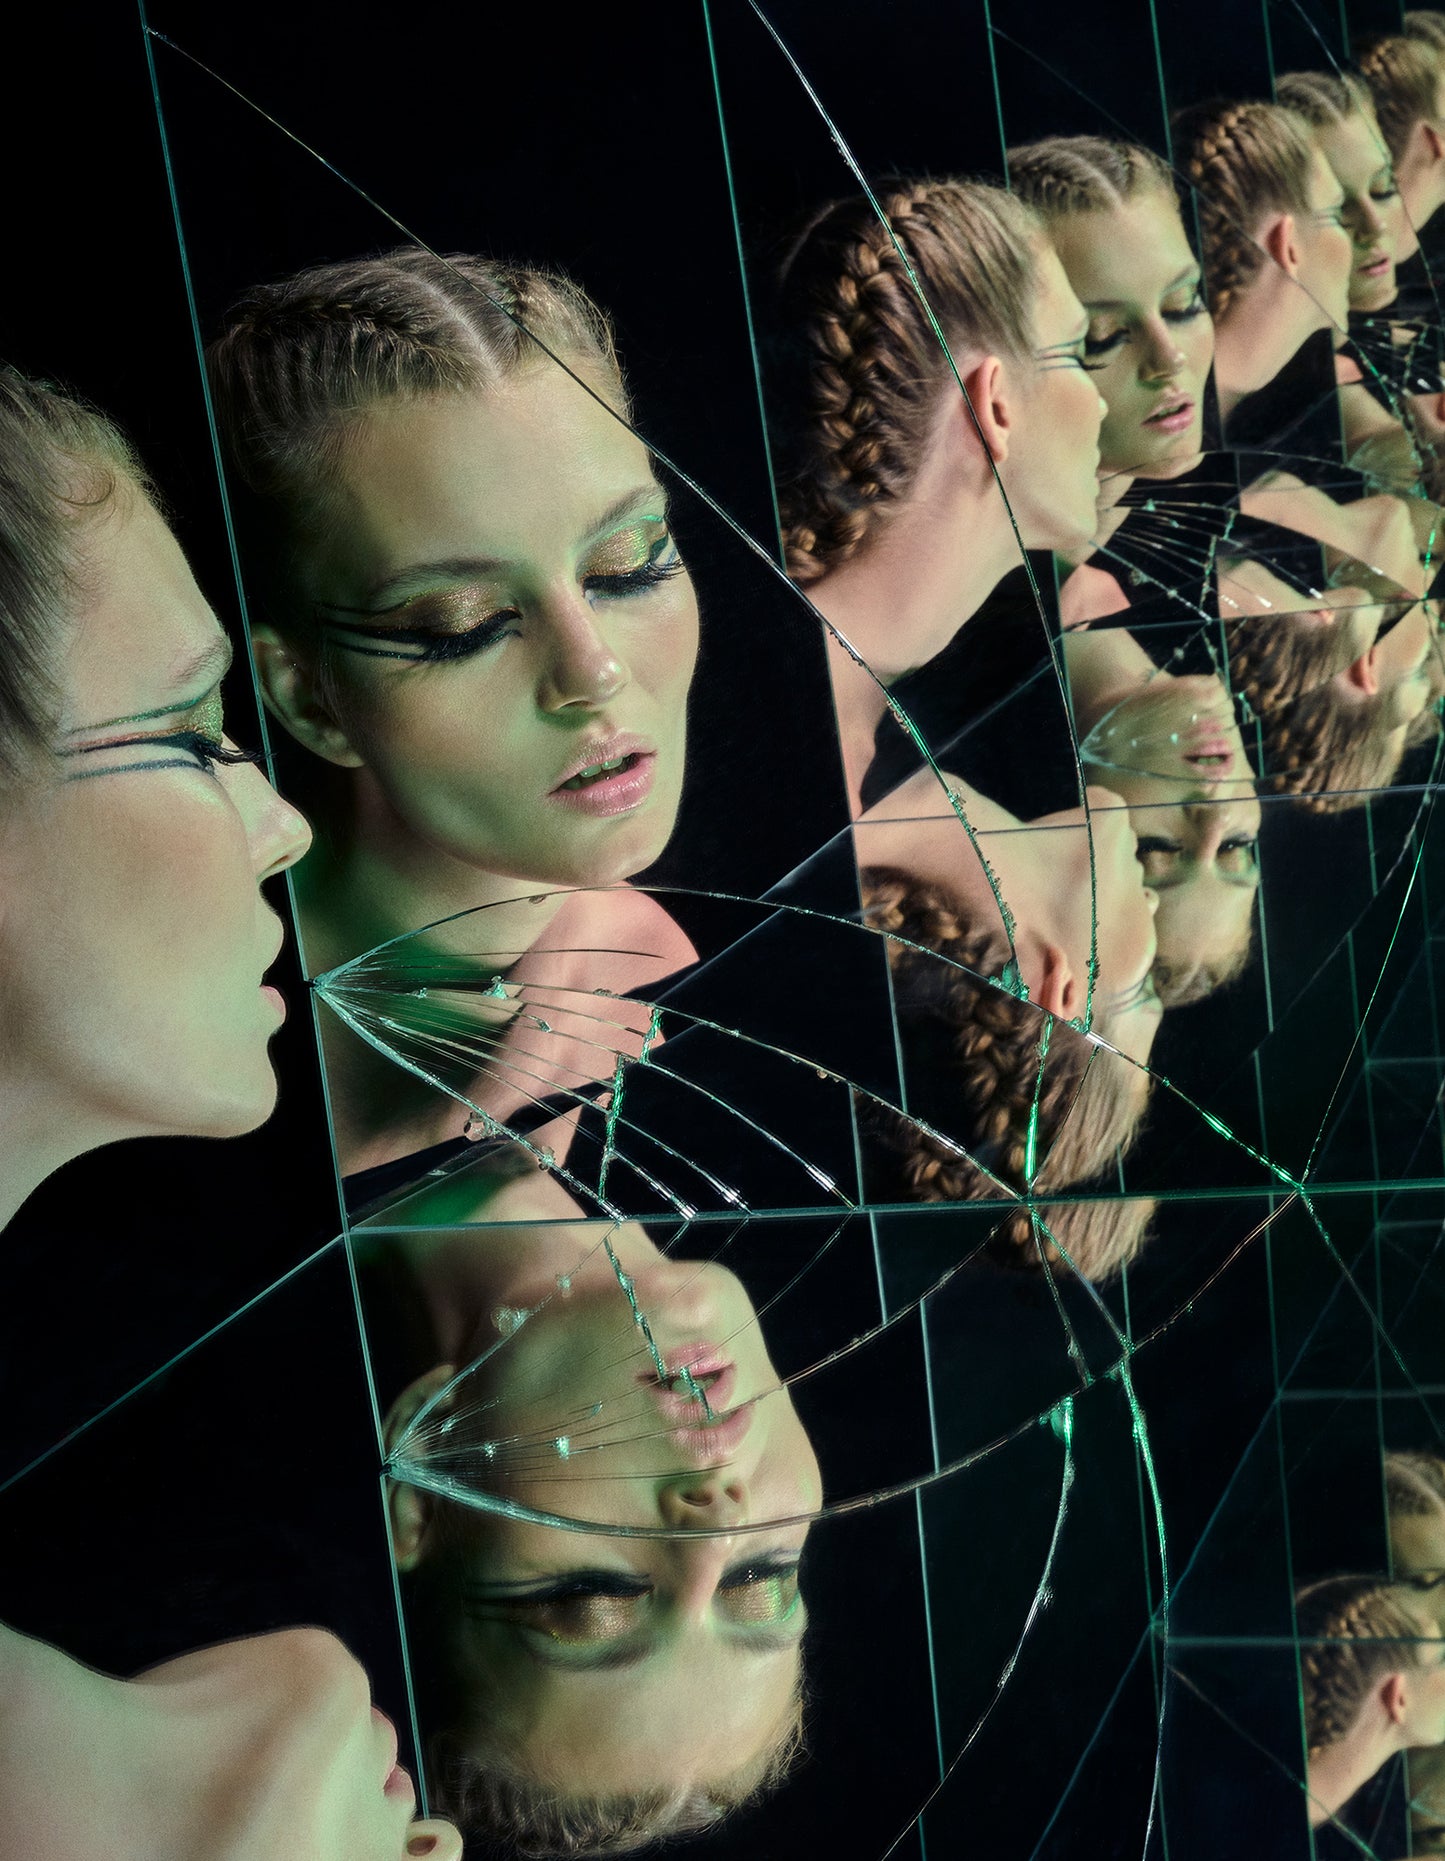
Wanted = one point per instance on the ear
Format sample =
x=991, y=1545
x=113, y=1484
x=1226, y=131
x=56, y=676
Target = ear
x=288, y=684
x=1360, y=676
x=410, y=1510
x=1058, y=992
x=1280, y=239
x=1393, y=1696
x=992, y=402
x=1434, y=141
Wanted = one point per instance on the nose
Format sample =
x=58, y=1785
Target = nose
x=1162, y=355
x=715, y=1500
x=578, y=669
x=436, y=1841
x=1368, y=220
x=277, y=834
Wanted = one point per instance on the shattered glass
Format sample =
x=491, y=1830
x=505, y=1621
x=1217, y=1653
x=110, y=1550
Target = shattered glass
x=851, y=1252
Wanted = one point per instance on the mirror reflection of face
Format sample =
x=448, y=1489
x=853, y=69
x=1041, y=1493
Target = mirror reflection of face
x=1425, y=1681
x=1109, y=907
x=302, y=1762
x=1176, y=756
x=505, y=556
x=1151, y=340
x=1326, y=247
x=1051, y=473
x=140, y=842
x=594, y=1650
x=1373, y=213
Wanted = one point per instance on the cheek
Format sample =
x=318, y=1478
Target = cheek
x=456, y=730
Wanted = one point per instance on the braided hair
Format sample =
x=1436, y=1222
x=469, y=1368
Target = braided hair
x=1427, y=26
x=1414, y=1484
x=1325, y=99
x=1353, y=1633
x=295, y=362
x=1245, y=162
x=982, y=1044
x=1403, y=73
x=1062, y=175
x=858, y=369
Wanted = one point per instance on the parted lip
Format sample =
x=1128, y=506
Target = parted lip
x=603, y=749
x=1372, y=260
x=700, y=1440
x=1179, y=404
x=278, y=945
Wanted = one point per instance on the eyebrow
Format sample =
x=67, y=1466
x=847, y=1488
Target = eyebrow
x=1190, y=275
x=212, y=663
x=375, y=599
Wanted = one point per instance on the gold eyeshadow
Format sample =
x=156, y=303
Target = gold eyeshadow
x=626, y=550
x=580, y=1618
x=767, y=1600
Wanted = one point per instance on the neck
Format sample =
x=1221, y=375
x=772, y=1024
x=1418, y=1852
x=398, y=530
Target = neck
x=901, y=600
x=1337, y=1771
x=1262, y=330
x=1417, y=178
x=1104, y=666
x=41, y=1136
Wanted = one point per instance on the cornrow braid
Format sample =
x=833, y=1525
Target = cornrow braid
x=1427, y=26
x=1331, y=753
x=1403, y=73
x=857, y=369
x=1063, y=175
x=295, y=362
x=1245, y=161
x=1275, y=658
x=1414, y=1484
x=1353, y=1632
x=984, y=1044
x=1325, y=99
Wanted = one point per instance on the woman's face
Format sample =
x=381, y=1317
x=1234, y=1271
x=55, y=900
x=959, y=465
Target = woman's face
x=299, y=1762
x=1051, y=473
x=512, y=630
x=133, y=933
x=1151, y=341
x=1326, y=248
x=1373, y=213
x=1114, y=914
x=1176, y=756
x=599, y=1647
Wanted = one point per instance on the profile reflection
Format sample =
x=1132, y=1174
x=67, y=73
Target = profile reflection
x=583, y=1692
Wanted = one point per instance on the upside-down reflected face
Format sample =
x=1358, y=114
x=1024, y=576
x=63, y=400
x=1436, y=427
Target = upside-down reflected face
x=135, y=842
x=510, y=628
x=1151, y=340
x=585, y=1652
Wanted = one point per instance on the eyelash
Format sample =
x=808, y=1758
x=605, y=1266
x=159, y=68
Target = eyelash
x=613, y=1583
x=445, y=648
x=205, y=753
x=1153, y=843
x=1107, y=344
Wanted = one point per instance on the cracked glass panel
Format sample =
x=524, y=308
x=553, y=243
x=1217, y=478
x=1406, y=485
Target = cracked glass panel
x=849, y=1254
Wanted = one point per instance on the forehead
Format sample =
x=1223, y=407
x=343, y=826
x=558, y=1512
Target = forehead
x=141, y=623
x=1131, y=254
x=530, y=461
x=1323, y=188
x=1058, y=316
x=1354, y=149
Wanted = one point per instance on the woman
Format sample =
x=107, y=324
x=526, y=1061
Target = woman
x=447, y=525
x=131, y=825
x=584, y=1692
x=1277, y=256
x=1171, y=748
x=1405, y=77
x=889, y=477
x=1372, y=1681
x=1003, y=963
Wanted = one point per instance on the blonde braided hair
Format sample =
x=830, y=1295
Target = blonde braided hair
x=1353, y=1632
x=1414, y=1484
x=1427, y=26
x=1062, y=175
x=858, y=368
x=1325, y=99
x=1245, y=161
x=295, y=362
x=986, y=1041
x=1403, y=73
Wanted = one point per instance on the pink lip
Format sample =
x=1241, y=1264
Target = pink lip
x=700, y=1440
x=627, y=788
x=1174, y=422
x=1376, y=268
x=398, y=1781
x=276, y=999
